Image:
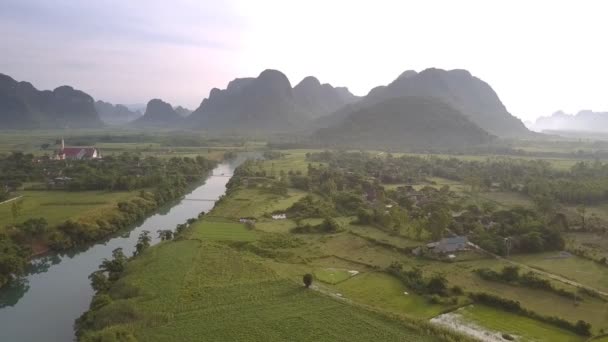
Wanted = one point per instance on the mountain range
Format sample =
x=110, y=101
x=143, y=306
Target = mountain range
x=24, y=106
x=452, y=102
x=267, y=103
x=468, y=94
x=585, y=121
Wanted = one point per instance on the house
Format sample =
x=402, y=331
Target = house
x=449, y=245
x=76, y=153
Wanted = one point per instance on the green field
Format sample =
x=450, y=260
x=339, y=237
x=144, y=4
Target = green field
x=381, y=291
x=524, y=328
x=574, y=268
x=331, y=275
x=193, y=291
x=221, y=231
x=58, y=206
x=256, y=202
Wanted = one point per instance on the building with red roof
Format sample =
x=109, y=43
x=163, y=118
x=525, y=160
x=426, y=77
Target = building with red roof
x=77, y=152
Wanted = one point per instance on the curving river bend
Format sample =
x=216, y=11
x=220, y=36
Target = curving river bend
x=45, y=304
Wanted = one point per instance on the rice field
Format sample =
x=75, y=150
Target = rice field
x=193, y=291
x=221, y=231
x=58, y=206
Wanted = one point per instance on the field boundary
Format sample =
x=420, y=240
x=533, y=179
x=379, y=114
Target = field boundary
x=10, y=200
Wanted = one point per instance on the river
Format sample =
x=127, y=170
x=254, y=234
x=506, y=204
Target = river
x=45, y=304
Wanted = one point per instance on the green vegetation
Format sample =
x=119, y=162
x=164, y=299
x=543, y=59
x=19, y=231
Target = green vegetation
x=575, y=268
x=221, y=231
x=331, y=275
x=220, y=293
x=524, y=328
x=377, y=227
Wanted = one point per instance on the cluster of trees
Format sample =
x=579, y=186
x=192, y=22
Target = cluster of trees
x=585, y=183
x=13, y=259
x=437, y=211
x=125, y=172
x=414, y=280
x=581, y=327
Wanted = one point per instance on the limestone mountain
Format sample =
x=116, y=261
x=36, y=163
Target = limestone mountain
x=320, y=99
x=468, y=94
x=24, y=106
x=115, y=114
x=404, y=123
x=584, y=120
x=267, y=103
x=158, y=114
x=181, y=111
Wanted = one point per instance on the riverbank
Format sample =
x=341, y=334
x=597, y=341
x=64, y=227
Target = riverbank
x=59, y=282
x=34, y=235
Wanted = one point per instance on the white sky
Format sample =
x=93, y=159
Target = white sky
x=539, y=56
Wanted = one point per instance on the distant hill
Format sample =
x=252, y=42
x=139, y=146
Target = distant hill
x=585, y=121
x=318, y=99
x=115, y=114
x=24, y=106
x=158, y=114
x=181, y=111
x=405, y=122
x=266, y=104
x=468, y=94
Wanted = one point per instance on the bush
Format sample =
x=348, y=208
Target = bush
x=307, y=279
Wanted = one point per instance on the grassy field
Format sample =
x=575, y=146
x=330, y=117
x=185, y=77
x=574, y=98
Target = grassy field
x=382, y=291
x=58, y=206
x=256, y=202
x=222, y=231
x=194, y=291
x=575, y=268
x=524, y=328
x=331, y=275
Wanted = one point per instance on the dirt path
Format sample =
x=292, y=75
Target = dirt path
x=12, y=199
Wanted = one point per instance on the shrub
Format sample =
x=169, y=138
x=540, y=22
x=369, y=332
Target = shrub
x=307, y=279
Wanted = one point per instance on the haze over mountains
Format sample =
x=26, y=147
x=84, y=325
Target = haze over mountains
x=115, y=114
x=415, y=122
x=24, y=106
x=453, y=102
x=584, y=121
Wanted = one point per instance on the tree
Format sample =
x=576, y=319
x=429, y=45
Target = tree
x=143, y=242
x=115, y=266
x=439, y=221
x=99, y=281
x=582, y=211
x=16, y=208
x=307, y=279
x=438, y=284
x=34, y=227
x=510, y=273
x=165, y=234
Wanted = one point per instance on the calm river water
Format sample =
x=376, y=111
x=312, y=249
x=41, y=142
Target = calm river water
x=45, y=304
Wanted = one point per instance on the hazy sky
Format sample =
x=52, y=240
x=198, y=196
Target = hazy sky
x=539, y=56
